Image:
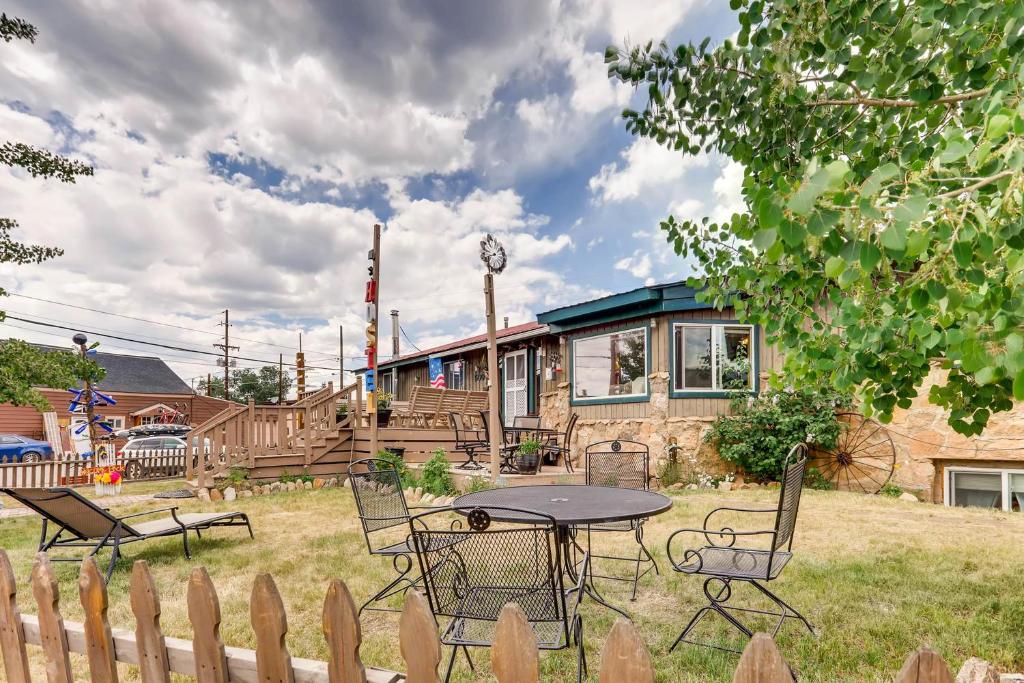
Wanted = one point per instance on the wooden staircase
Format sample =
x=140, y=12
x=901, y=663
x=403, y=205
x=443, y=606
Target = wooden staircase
x=305, y=437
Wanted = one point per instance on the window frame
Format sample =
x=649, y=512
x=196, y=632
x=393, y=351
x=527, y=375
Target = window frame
x=755, y=365
x=462, y=373
x=604, y=400
x=1004, y=481
x=393, y=374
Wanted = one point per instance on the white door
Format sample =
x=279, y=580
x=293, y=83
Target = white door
x=515, y=386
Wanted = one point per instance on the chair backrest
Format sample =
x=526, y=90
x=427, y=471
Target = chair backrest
x=569, y=429
x=622, y=464
x=477, y=401
x=471, y=571
x=526, y=421
x=377, y=488
x=70, y=510
x=789, y=495
x=454, y=400
x=427, y=400
x=458, y=423
x=484, y=415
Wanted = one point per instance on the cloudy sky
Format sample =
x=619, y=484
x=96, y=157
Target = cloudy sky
x=244, y=150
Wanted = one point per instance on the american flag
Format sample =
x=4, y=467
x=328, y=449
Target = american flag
x=436, y=373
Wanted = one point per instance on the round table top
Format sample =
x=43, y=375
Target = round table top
x=568, y=504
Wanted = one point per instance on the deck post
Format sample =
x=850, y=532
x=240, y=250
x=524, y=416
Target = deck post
x=252, y=437
x=493, y=398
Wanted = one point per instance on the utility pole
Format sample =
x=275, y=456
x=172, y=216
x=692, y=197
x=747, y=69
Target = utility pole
x=280, y=379
x=90, y=414
x=300, y=370
x=209, y=381
x=341, y=356
x=226, y=347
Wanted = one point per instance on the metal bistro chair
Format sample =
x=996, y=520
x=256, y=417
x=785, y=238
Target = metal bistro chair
x=381, y=503
x=724, y=562
x=467, y=441
x=471, y=573
x=622, y=464
x=506, y=450
x=559, y=443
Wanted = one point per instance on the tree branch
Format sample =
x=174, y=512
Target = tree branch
x=978, y=185
x=888, y=102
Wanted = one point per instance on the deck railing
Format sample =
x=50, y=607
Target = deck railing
x=514, y=656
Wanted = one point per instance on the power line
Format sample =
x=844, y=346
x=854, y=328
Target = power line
x=407, y=338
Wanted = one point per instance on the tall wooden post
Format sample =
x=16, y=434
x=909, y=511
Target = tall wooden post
x=493, y=395
x=341, y=356
x=371, y=397
x=90, y=412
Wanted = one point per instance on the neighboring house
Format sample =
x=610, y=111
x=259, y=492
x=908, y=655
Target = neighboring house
x=142, y=386
x=655, y=365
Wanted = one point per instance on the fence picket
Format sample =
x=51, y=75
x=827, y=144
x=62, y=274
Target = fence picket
x=52, y=636
x=762, y=662
x=266, y=610
x=343, y=633
x=514, y=656
x=924, y=665
x=204, y=613
x=149, y=639
x=99, y=643
x=418, y=640
x=12, y=633
x=625, y=657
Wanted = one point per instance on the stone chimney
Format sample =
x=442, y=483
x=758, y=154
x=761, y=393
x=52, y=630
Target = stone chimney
x=394, y=334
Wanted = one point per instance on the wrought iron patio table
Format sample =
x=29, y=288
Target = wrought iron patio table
x=570, y=506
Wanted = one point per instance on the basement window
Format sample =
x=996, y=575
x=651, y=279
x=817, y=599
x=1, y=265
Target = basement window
x=995, y=489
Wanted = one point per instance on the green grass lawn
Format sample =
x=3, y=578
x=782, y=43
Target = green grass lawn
x=877, y=576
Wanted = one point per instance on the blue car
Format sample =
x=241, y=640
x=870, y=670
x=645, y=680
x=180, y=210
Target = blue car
x=14, y=448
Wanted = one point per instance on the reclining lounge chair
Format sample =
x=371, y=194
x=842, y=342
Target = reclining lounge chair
x=83, y=524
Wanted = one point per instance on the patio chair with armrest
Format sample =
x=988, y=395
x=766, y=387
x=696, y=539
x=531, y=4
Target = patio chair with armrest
x=467, y=441
x=621, y=464
x=506, y=450
x=719, y=558
x=471, y=573
x=560, y=443
x=83, y=524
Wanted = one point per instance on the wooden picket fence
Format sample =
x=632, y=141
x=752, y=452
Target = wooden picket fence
x=163, y=464
x=514, y=657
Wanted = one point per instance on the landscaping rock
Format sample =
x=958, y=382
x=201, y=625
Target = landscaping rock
x=977, y=670
x=344, y=483
x=318, y=483
x=418, y=493
x=308, y=485
x=246, y=494
x=773, y=485
x=911, y=498
x=276, y=486
x=204, y=495
x=678, y=486
x=290, y=486
x=725, y=486
x=427, y=499
x=1011, y=678
x=692, y=487
x=216, y=495
x=230, y=494
x=333, y=481
x=752, y=485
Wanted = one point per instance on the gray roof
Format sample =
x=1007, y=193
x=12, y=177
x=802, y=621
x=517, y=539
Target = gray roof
x=135, y=374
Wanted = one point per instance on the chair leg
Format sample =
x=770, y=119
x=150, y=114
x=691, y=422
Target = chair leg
x=451, y=664
x=184, y=541
x=391, y=589
x=248, y=526
x=115, y=554
x=715, y=604
x=787, y=611
x=581, y=654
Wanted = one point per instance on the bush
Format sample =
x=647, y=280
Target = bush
x=406, y=476
x=761, y=430
x=891, y=490
x=436, y=476
x=479, y=484
x=814, y=479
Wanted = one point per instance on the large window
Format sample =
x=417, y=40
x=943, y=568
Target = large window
x=985, y=488
x=711, y=357
x=454, y=375
x=610, y=365
x=387, y=382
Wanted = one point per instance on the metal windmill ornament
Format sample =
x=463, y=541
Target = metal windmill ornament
x=493, y=254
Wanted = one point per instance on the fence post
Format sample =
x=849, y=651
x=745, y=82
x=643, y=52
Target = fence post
x=924, y=665
x=250, y=436
x=52, y=636
x=266, y=610
x=418, y=640
x=625, y=657
x=514, y=656
x=12, y=633
x=343, y=633
x=149, y=639
x=99, y=643
x=762, y=662
x=204, y=613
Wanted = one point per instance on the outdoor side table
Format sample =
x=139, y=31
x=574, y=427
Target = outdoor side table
x=570, y=506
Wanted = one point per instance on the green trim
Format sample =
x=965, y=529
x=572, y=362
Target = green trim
x=604, y=400
x=531, y=385
x=711, y=393
x=590, y=308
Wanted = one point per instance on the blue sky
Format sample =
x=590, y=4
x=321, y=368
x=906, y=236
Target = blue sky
x=244, y=150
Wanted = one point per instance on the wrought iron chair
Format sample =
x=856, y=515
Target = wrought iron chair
x=382, y=507
x=506, y=450
x=526, y=421
x=559, y=443
x=467, y=441
x=470, y=574
x=622, y=464
x=723, y=562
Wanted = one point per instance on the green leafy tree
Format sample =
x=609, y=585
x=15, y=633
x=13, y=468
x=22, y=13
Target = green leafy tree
x=23, y=366
x=246, y=383
x=883, y=147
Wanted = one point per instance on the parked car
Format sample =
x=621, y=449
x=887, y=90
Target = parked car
x=140, y=453
x=15, y=448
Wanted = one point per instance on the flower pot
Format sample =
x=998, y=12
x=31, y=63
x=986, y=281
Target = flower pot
x=383, y=417
x=527, y=463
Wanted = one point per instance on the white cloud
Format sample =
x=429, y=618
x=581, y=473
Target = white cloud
x=637, y=265
x=645, y=164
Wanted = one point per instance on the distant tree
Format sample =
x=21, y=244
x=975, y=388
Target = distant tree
x=259, y=385
x=883, y=147
x=23, y=366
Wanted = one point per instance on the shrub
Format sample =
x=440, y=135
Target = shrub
x=814, y=479
x=891, y=490
x=236, y=475
x=436, y=476
x=405, y=475
x=761, y=430
x=479, y=484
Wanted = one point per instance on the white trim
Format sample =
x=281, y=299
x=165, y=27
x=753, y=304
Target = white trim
x=1004, y=480
x=647, y=363
x=679, y=367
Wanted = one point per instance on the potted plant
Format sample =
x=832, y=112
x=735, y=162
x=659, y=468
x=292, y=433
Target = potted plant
x=528, y=456
x=383, y=408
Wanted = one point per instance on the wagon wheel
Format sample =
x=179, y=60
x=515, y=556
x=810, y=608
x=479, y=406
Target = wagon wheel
x=864, y=456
